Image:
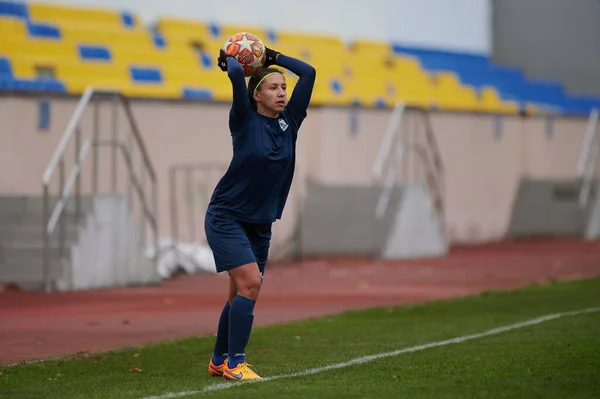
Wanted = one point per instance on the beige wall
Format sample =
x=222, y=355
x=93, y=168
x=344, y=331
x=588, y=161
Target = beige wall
x=481, y=171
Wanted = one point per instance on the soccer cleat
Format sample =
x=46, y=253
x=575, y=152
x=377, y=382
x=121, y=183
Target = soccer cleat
x=215, y=370
x=239, y=373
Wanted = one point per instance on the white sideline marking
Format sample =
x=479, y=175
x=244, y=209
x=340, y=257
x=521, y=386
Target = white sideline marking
x=365, y=359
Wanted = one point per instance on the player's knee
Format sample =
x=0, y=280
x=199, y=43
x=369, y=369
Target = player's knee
x=250, y=288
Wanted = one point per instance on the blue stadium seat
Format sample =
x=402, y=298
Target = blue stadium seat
x=580, y=105
x=94, y=53
x=511, y=83
x=435, y=60
x=146, y=75
x=8, y=81
x=5, y=69
x=46, y=31
x=11, y=9
x=196, y=94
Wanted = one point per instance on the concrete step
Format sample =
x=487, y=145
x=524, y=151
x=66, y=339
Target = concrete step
x=548, y=207
x=25, y=205
x=35, y=218
x=30, y=274
x=341, y=219
x=31, y=232
x=33, y=250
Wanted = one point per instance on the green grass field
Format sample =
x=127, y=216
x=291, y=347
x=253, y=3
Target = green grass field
x=557, y=358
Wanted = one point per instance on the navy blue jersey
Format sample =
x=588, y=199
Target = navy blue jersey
x=255, y=187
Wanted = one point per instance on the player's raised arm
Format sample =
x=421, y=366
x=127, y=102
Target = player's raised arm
x=241, y=104
x=300, y=98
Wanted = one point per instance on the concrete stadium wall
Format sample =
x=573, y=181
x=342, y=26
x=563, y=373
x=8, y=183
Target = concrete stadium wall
x=550, y=39
x=485, y=157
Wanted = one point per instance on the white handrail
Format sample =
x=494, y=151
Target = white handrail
x=68, y=187
x=590, y=134
x=428, y=157
x=388, y=138
x=588, y=177
x=386, y=194
x=69, y=131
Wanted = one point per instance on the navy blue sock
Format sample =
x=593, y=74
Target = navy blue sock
x=241, y=318
x=220, y=351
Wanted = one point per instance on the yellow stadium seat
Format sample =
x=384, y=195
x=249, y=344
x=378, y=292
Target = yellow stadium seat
x=461, y=98
x=23, y=68
x=447, y=80
x=83, y=17
x=11, y=29
x=418, y=96
x=184, y=29
x=285, y=38
x=310, y=48
x=367, y=89
x=406, y=64
x=375, y=52
x=77, y=85
x=179, y=42
x=166, y=58
x=77, y=76
x=323, y=92
x=323, y=96
x=80, y=69
x=451, y=94
x=74, y=35
x=326, y=66
x=194, y=77
x=228, y=30
x=40, y=51
x=491, y=102
x=151, y=91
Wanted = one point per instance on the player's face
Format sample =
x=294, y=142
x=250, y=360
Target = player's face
x=272, y=94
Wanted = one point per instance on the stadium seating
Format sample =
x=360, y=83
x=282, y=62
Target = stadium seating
x=65, y=49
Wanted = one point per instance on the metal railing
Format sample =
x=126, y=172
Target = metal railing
x=410, y=133
x=199, y=180
x=56, y=216
x=588, y=156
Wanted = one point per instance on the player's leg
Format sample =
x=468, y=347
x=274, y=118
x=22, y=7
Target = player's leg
x=230, y=248
x=220, y=352
x=241, y=317
x=259, y=236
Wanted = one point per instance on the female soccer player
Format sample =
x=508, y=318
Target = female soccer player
x=252, y=194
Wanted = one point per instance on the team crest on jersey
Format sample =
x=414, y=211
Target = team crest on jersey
x=283, y=125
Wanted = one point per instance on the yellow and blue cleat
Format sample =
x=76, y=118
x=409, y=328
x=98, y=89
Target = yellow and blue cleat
x=215, y=370
x=240, y=373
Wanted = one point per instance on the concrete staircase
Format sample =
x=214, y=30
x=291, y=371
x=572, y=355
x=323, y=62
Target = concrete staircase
x=340, y=220
x=551, y=208
x=21, y=240
x=103, y=249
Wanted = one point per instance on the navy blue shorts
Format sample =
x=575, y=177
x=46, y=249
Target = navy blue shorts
x=234, y=243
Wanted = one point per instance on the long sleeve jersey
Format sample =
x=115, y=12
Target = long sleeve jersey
x=257, y=182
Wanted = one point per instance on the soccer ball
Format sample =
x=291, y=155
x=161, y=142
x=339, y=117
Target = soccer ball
x=248, y=49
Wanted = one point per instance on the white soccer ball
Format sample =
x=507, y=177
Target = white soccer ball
x=248, y=49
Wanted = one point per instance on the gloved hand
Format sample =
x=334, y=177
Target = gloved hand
x=222, y=60
x=271, y=57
